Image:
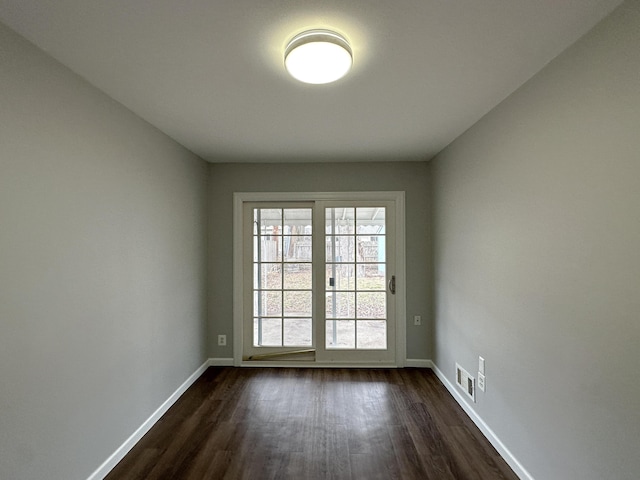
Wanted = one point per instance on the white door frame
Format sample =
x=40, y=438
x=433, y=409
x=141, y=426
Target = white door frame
x=239, y=198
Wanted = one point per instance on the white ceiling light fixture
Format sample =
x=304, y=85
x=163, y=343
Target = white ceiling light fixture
x=318, y=56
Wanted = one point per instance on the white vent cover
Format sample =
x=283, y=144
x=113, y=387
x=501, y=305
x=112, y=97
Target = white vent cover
x=466, y=382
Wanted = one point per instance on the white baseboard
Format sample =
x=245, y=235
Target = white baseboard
x=130, y=442
x=220, y=362
x=418, y=363
x=504, y=452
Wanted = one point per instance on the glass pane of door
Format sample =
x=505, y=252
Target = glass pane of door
x=355, y=278
x=282, y=277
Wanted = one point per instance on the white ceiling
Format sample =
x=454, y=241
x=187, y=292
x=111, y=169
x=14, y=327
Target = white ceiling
x=209, y=73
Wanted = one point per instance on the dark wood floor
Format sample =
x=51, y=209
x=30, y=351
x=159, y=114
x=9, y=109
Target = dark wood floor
x=286, y=423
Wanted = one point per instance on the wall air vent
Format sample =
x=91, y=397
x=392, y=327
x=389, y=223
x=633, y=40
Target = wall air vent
x=466, y=382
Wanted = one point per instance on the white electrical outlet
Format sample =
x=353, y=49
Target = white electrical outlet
x=222, y=340
x=417, y=320
x=481, y=381
x=481, y=365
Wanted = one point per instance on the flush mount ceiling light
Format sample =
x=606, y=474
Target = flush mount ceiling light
x=318, y=56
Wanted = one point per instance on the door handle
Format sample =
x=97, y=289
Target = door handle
x=392, y=285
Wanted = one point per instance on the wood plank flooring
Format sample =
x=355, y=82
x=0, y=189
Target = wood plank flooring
x=296, y=423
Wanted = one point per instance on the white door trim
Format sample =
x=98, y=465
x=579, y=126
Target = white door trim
x=239, y=198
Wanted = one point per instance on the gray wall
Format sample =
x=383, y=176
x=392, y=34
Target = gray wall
x=303, y=177
x=102, y=268
x=537, y=259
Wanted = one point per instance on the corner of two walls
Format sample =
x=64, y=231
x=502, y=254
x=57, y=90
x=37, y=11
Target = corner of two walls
x=536, y=231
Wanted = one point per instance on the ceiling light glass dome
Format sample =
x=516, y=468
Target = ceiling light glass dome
x=318, y=56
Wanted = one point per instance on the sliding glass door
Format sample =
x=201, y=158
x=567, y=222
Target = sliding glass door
x=319, y=281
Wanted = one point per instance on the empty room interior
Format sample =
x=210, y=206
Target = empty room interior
x=456, y=204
